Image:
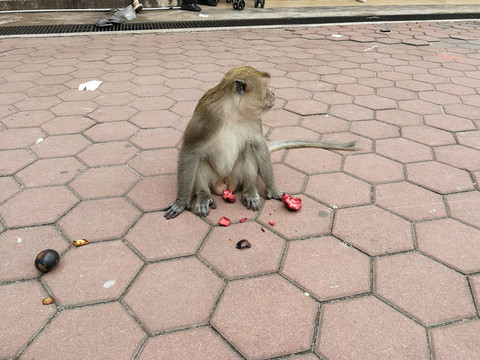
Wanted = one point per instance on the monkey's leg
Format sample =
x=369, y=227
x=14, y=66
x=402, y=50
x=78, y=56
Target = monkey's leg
x=245, y=172
x=205, y=178
x=265, y=170
x=187, y=167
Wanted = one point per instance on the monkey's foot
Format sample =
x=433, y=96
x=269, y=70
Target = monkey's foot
x=274, y=194
x=203, y=204
x=251, y=200
x=174, y=209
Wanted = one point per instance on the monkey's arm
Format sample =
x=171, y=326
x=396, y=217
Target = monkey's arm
x=265, y=169
x=187, y=168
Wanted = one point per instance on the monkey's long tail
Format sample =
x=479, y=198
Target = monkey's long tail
x=299, y=144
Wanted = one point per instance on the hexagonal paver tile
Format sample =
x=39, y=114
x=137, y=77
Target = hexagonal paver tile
x=469, y=138
x=449, y=122
x=19, y=138
x=374, y=129
x=323, y=160
x=37, y=206
x=155, y=162
x=155, y=237
x=194, y=344
x=338, y=190
x=306, y=107
x=459, y=156
x=9, y=188
x=156, y=138
x=50, y=172
x=21, y=319
x=320, y=266
x=67, y=125
x=366, y=327
x=111, y=131
x=13, y=160
x=373, y=230
x=373, y=168
x=104, y=182
x=324, y=123
x=91, y=273
x=428, y=135
x=403, y=150
x=275, y=307
x=351, y=112
x=313, y=219
x=174, y=294
x=21, y=246
x=411, y=201
x=111, y=153
x=104, y=328
x=112, y=113
x=154, y=119
x=399, y=117
x=99, y=219
x=475, y=284
x=457, y=342
x=27, y=119
x=154, y=193
x=61, y=145
x=264, y=255
x=427, y=290
x=464, y=206
x=439, y=177
x=451, y=242
x=287, y=179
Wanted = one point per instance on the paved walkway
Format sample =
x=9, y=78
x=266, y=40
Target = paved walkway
x=382, y=261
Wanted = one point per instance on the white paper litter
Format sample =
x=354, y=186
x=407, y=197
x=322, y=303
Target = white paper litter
x=370, y=48
x=108, y=284
x=39, y=141
x=202, y=15
x=337, y=35
x=90, y=86
x=19, y=240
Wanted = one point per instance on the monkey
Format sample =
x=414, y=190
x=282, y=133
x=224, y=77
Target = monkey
x=223, y=147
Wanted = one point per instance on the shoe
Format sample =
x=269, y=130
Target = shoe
x=190, y=7
x=137, y=6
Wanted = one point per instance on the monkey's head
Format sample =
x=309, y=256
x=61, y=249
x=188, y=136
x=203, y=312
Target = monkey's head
x=250, y=90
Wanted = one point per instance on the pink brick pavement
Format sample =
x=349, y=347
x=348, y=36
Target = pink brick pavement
x=382, y=262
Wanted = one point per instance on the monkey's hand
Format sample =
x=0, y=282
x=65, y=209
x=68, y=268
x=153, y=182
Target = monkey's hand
x=174, y=209
x=203, y=204
x=274, y=194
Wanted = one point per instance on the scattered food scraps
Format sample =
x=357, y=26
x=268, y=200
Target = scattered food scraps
x=46, y=260
x=272, y=222
x=262, y=229
x=242, y=220
x=80, y=242
x=224, y=221
x=39, y=140
x=293, y=204
x=228, y=196
x=48, y=300
x=243, y=244
x=19, y=240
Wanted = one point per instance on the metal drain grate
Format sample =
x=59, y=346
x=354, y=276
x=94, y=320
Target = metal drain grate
x=82, y=28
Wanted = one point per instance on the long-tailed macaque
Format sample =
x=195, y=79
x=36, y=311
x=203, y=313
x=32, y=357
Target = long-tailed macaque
x=224, y=148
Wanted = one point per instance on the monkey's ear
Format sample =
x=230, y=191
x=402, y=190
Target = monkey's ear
x=240, y=86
